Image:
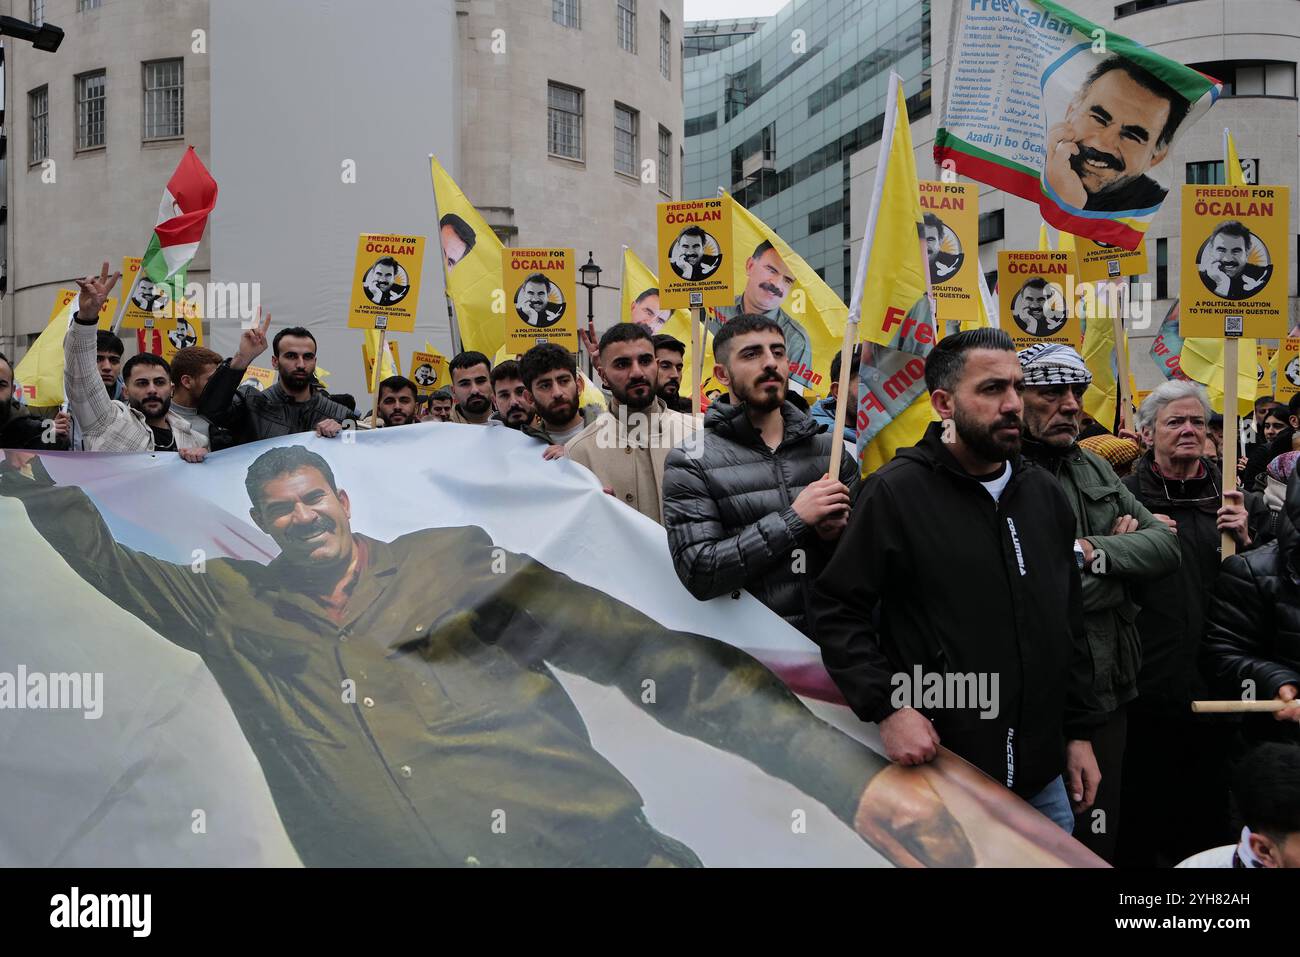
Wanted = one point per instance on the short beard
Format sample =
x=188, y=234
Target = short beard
x=980, y=438
x=476, y=404
x=550, y=417
x=637, y=405
x=759, y=399
x=166, y=407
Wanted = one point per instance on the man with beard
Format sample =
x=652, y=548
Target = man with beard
x=958, y=561
x=439, y=407
x=751, y=504
x=1035, y=308
x=689, y=259
x=1228, y=273
x=535, y=306
x=457, y=239
x=627, y=446
x=1118, y=544
x=381, y=285
x=292, y=405
x=514, y=403
x=550, y=374
x=646, y=311
x=396, y=401
x=18, y=429
x=942, y=265
x=145, y=422
x=149, y=297
x=1119, y=126
x=670, y=357
x=471, y=388
x=767, y=282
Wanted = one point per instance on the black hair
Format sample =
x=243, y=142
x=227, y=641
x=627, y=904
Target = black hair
x=441, y=395
x=345, y=399
x=106, y=341
x=761, y=248
x=464, y=232
x=739, y=325
x=145, y=359
x=1265, y=400
x=506, y=370
x=468, y=360
x=855, y=364
x=1035, y=282
x=298, y=332
x=387, y=261
x=282, y=461
x=625, y=332
x=671, y=343
x=1179, y=105
x=545, y=358
x=539, y=277
x=946, y=360
x=396, y=383
x=652, y=291
x=1266, y=788
x=692, y=231
x=1232, y=228
x=933, y=220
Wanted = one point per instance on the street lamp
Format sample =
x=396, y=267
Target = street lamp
x=591, y=279
x=43, y=36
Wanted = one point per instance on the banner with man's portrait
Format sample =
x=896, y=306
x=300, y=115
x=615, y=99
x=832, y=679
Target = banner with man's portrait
x=1235, y=251
x=541, y=299
x=471, y=254
x=386, y=282
x=640, y=304
x=487, y=694
x=694, y=248
x=1036, y=291
x=1080, y=120
x=951, y=226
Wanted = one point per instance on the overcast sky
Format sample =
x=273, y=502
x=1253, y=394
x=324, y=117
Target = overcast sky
x=731, y=9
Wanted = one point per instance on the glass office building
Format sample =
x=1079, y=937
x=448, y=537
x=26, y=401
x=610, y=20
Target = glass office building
x=775, y=116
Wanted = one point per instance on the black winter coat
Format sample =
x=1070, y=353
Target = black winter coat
x=933, y=573
x=250, y=415
x=728, y=509
x=1253, y=628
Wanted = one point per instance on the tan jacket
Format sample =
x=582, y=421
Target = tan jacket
x=627, y=451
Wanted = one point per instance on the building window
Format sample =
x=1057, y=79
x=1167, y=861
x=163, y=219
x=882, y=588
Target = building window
x=38, y=137
x=164, y=99
x=665, y=162
x=1137, y=6
x=992, y=226
x=90, y=110
x=665, y=46
x=991, y=279
x=564, y=116
x=566, y=13
x=38, y=12
x=1205, y=174
x=84, y=5
x=1252, y=77
x=1162, y=269
x=625, y=135
x=627, y=25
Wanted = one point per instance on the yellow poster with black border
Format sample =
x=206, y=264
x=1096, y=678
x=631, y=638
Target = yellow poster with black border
x=541, y=298
x=1036, y=293
x=148, y=305
x=1286, y=363
x=950, y=222
x=258, y=378
x=429, y=372
x=1098, y=262
x=694, y=240
x=386, y=282
x=1235, y=250
x=67, y=297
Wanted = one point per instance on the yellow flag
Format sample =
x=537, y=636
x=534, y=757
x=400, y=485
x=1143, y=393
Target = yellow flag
x=808, y=311
x=471, y=255
x=1101, y=401
x=890, y=295
x=1044, y=240
x=38, y=377
x=1232, y=172
x=390, y=365
x=892, y=271
x=640, y=303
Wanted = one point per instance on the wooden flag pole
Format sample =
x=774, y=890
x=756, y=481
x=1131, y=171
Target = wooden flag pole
x=1121, y=354
x=1233, y=706
x=1231, y=347
x=375, y=376
x=842, y=400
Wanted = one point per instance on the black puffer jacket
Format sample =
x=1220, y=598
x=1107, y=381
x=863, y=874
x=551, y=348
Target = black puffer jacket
x=728, y=509
x=1253, y=627
x=250, y=415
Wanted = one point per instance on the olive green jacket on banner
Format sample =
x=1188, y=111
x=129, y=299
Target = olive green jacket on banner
x=1098, y=498
x=422, y=724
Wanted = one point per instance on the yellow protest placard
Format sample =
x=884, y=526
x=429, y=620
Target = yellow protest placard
x=258, y=378
x=1234, y=256
x=67, y=297
x=148, y=306
x=1286, y=362
x=694, y=245
x=951, y=227
x=429, y=372
x=541, y=298
x=1097, y=262
x=1036, y=297
x=386, y=282
x=1263, y=365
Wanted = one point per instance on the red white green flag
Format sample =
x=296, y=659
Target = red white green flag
x=190, y=195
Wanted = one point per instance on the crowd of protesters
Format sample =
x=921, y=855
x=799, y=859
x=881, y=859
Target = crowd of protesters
x=1084, y=572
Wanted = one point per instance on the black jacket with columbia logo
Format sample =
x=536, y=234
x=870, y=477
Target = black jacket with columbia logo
x=932, y=572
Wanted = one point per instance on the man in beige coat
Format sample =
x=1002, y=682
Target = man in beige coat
x=626, y=447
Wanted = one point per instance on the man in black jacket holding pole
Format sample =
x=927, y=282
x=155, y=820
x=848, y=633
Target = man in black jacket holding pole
x=951, y=612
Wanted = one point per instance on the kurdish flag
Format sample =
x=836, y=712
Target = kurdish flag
x=891, y=293
x=190, y=196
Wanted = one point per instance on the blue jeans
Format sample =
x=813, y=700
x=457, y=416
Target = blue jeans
x=1053, y=802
